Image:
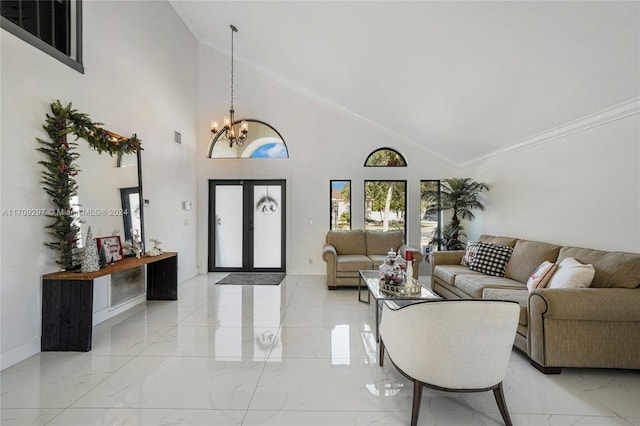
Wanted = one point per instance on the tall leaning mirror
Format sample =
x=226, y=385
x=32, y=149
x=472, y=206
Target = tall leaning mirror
x=109, y=196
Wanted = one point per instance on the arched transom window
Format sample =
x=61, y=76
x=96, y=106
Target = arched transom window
x=385, y=157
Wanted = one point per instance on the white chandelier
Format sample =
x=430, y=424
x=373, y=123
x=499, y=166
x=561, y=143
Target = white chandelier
x=230, y=130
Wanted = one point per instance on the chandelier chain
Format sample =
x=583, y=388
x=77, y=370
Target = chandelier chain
x=232, y=31
x=231, y=133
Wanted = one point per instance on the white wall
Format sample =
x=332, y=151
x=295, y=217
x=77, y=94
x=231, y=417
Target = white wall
x=323, y=144
x=580, y=190
x=145, y=73
x=140, y=76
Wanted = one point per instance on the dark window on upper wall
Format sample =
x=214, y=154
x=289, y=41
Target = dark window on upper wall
x=53, y=26
x=385, y=205
x=385, y=157
x=340, y=201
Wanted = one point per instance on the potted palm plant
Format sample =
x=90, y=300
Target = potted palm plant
x=460, y=197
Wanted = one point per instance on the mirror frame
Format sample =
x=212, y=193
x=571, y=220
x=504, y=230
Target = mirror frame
x=141, y=199
x=59, y=169
x=139, y=164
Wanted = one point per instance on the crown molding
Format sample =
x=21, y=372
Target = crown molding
x=304, y=91
x=179, y=8
x=599, y=118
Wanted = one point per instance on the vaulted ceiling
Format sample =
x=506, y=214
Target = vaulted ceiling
x=462, y=80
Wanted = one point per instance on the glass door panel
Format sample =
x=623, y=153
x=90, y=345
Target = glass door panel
x=267, y=226
x=229, y=225
x=247, y=225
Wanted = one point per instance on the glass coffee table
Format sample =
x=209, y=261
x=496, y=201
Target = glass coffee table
x=372, y=279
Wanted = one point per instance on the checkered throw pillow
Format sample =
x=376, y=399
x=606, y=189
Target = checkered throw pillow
x=491, y=259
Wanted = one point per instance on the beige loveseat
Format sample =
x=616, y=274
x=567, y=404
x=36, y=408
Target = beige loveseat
x=346, y=252
x=595, y=327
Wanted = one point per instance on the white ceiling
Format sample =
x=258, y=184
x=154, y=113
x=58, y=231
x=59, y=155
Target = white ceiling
x=460, y=79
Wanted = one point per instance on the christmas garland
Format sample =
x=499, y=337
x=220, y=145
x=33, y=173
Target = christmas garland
x=58, y=176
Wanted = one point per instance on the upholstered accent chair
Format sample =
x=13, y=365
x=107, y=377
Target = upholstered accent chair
x=451, y=345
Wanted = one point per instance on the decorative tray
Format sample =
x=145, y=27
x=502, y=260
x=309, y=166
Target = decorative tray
x=404, y=289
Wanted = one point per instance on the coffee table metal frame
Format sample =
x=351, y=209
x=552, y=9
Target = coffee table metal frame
x=372, y=280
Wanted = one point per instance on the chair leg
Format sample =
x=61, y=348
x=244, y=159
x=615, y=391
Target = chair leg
x=417, y=399
x=502, y=404
x=381, y=354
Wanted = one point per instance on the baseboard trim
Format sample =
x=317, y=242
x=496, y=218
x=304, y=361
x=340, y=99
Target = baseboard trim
x=20, y=353
x=186, y=277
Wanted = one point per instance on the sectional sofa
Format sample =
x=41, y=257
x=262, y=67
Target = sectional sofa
x=346, y=252
x=597, y=326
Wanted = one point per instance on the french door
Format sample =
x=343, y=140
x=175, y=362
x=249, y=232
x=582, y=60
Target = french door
x=247, y=225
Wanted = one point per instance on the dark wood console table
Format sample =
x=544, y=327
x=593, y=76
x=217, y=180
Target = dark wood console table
x=67, y=299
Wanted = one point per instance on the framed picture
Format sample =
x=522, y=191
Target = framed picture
x=112, y=246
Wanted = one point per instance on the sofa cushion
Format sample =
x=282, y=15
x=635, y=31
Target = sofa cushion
x=572, y=274
x=527, y=256
x=491, y=259
x=353, y=262
x=447, y=273
x=470, y=252
x=613, y=269
x=500, y=241
x=377, y=259
x=380, y=242
x=354, y=275
x=474, y=284
x=517, y=295
x=347, y=242
x=541, y=276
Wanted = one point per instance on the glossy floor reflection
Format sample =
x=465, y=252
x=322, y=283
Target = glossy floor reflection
x=293, y=354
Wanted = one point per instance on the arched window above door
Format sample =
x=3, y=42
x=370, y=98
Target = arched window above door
x=263, y=141
x=385, y=157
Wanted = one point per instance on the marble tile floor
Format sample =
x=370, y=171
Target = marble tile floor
x=293, y=354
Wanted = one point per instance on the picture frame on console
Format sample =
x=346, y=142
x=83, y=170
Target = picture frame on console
x=113, y=247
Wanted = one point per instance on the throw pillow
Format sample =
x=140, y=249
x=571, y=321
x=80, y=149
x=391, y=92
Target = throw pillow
x=491, y=259
x=541, y=275
x=470, y=252
x=572, y=274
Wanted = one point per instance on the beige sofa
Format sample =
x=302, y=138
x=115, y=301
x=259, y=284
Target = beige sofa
x=346, y=252
x=595, y=327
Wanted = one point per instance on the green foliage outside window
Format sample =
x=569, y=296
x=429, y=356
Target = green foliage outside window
x=385, y=204
x=385, y=157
